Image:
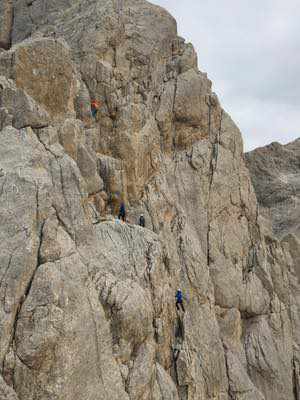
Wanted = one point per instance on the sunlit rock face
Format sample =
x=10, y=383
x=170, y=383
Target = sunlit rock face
x=87, y=303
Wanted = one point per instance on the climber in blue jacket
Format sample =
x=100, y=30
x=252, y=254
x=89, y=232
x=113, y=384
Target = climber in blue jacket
x=122, y=212
x=179, y=300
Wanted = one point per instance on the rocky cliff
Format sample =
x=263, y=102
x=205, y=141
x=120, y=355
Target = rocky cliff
x=275, y=173
x=87, y=308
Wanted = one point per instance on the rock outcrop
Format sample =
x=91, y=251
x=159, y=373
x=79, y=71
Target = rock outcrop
x=87, y=306
x=275, y=173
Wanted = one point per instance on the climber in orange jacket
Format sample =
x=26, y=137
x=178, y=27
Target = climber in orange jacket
x=95, y=105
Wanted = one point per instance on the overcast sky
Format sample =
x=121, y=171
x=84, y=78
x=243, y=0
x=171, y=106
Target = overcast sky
x=251, y=52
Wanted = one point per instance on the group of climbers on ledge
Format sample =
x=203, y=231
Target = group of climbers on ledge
x=122, y=215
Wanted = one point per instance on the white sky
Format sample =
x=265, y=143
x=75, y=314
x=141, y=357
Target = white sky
x=251, y=51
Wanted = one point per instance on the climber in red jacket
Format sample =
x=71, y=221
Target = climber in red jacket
x=95, y=105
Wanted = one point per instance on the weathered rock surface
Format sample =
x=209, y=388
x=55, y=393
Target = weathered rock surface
x=87, y=306
x=44, y=69
x=275, y=173
x=19, y=109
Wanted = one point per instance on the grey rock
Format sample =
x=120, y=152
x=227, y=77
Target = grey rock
x=87, y=306
x=60, y=348
x=6, y=119
x=23, y=109
x=82, y=104
x=73, y=138
x=166, y=386
x=112, y=171
x=88, y=168
x=6, y=392
x=275, y=174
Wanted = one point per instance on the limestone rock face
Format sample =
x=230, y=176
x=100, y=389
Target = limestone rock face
x=275, y=173
x=18, y=108
x=87, y=303
x=44, y=69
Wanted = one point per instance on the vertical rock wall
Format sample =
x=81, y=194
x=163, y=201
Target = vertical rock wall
x=87, y=303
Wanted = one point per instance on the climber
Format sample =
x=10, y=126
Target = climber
x=95, y=105
x=122, y=212
x=142, y=221
x=177, y=349
x=179, y=300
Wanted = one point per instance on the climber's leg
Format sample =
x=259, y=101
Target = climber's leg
x=94, y=112
x=180, y=303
